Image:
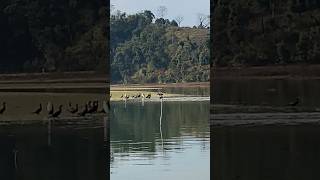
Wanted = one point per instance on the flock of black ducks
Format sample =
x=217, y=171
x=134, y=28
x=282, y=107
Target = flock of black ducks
x=140, y=95
x=90, y=107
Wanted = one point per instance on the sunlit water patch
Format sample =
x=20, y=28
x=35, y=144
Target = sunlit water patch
x=145, y=146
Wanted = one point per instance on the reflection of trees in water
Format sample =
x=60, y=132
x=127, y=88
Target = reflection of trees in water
x=141, y=124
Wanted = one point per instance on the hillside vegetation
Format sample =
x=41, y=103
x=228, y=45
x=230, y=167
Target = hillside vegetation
x=53, y=36
x=266, y=32
x=149, y=50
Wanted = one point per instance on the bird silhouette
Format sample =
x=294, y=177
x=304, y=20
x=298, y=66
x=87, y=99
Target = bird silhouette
x=37, y=111
x=57, y=113
x=84, y=111
x=89, y=104
x=126, y=96
x=3, y=109
x=294, y=103
x=93, y=108
x=73, y=110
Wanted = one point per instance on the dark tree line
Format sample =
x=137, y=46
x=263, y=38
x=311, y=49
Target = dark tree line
x=262, y=32
x=146, y=49
x=53, y=35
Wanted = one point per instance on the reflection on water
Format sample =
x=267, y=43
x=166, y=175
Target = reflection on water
x=265, y=153
x=28, y=153
x=272, y=92
x=139, y=153
x=65, y=148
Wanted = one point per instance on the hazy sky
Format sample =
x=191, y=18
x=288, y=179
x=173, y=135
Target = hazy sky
x=186, y=8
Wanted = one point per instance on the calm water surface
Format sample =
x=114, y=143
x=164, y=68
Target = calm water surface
x=287, y=152
x=271, y=92
x=69, y=148
x=266, y=152
x=144, y=149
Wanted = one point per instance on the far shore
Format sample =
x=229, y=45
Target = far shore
x=158, y=85
x=117, y=90
x=297, y=71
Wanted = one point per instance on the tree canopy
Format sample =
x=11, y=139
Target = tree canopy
x=60, y=35
x=145, y=49
x=265, y=32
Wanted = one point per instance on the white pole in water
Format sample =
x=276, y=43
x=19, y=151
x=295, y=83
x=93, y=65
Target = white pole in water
x=15, y=152
x=142, y=100
x=161, y=123
x=49, y=132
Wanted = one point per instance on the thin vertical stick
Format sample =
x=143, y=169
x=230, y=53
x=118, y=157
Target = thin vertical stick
x=161, y=123
x=49, y=132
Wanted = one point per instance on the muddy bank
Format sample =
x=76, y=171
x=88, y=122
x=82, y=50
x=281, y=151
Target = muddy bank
x=72, y=82
x=236, y=115
x=159, y=86
x=265, y=72
x=258, y=119
x=54, y=77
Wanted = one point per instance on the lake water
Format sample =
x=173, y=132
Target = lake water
x=281, y=150
x=65, y=148
x=146, y=145
x=266, y=152
x=271, y=92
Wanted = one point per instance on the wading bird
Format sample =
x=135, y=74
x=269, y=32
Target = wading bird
x=57, y=113
x=294, y=103
x=3, y=109
x=126, y=96
x=37, y=111
x=94, y=107
x=84, y=111
x=73, y=110
x=148, y=96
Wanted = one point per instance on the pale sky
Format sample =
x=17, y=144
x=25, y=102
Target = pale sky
x=189, y=9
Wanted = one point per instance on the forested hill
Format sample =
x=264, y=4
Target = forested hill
x=59, y=35
x=145, y=49
x=266, y=32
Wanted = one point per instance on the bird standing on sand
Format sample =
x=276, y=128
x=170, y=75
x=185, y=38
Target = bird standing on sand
x=37, y=111
x=294, y=103
x=126, y=96
x=57, y=113
x=3, y=108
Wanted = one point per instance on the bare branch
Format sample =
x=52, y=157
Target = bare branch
x=179, y=19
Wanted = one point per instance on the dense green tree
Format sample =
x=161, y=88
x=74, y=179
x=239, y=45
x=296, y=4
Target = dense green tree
x=61, y=35
x=262, y=32
x=153, y=52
